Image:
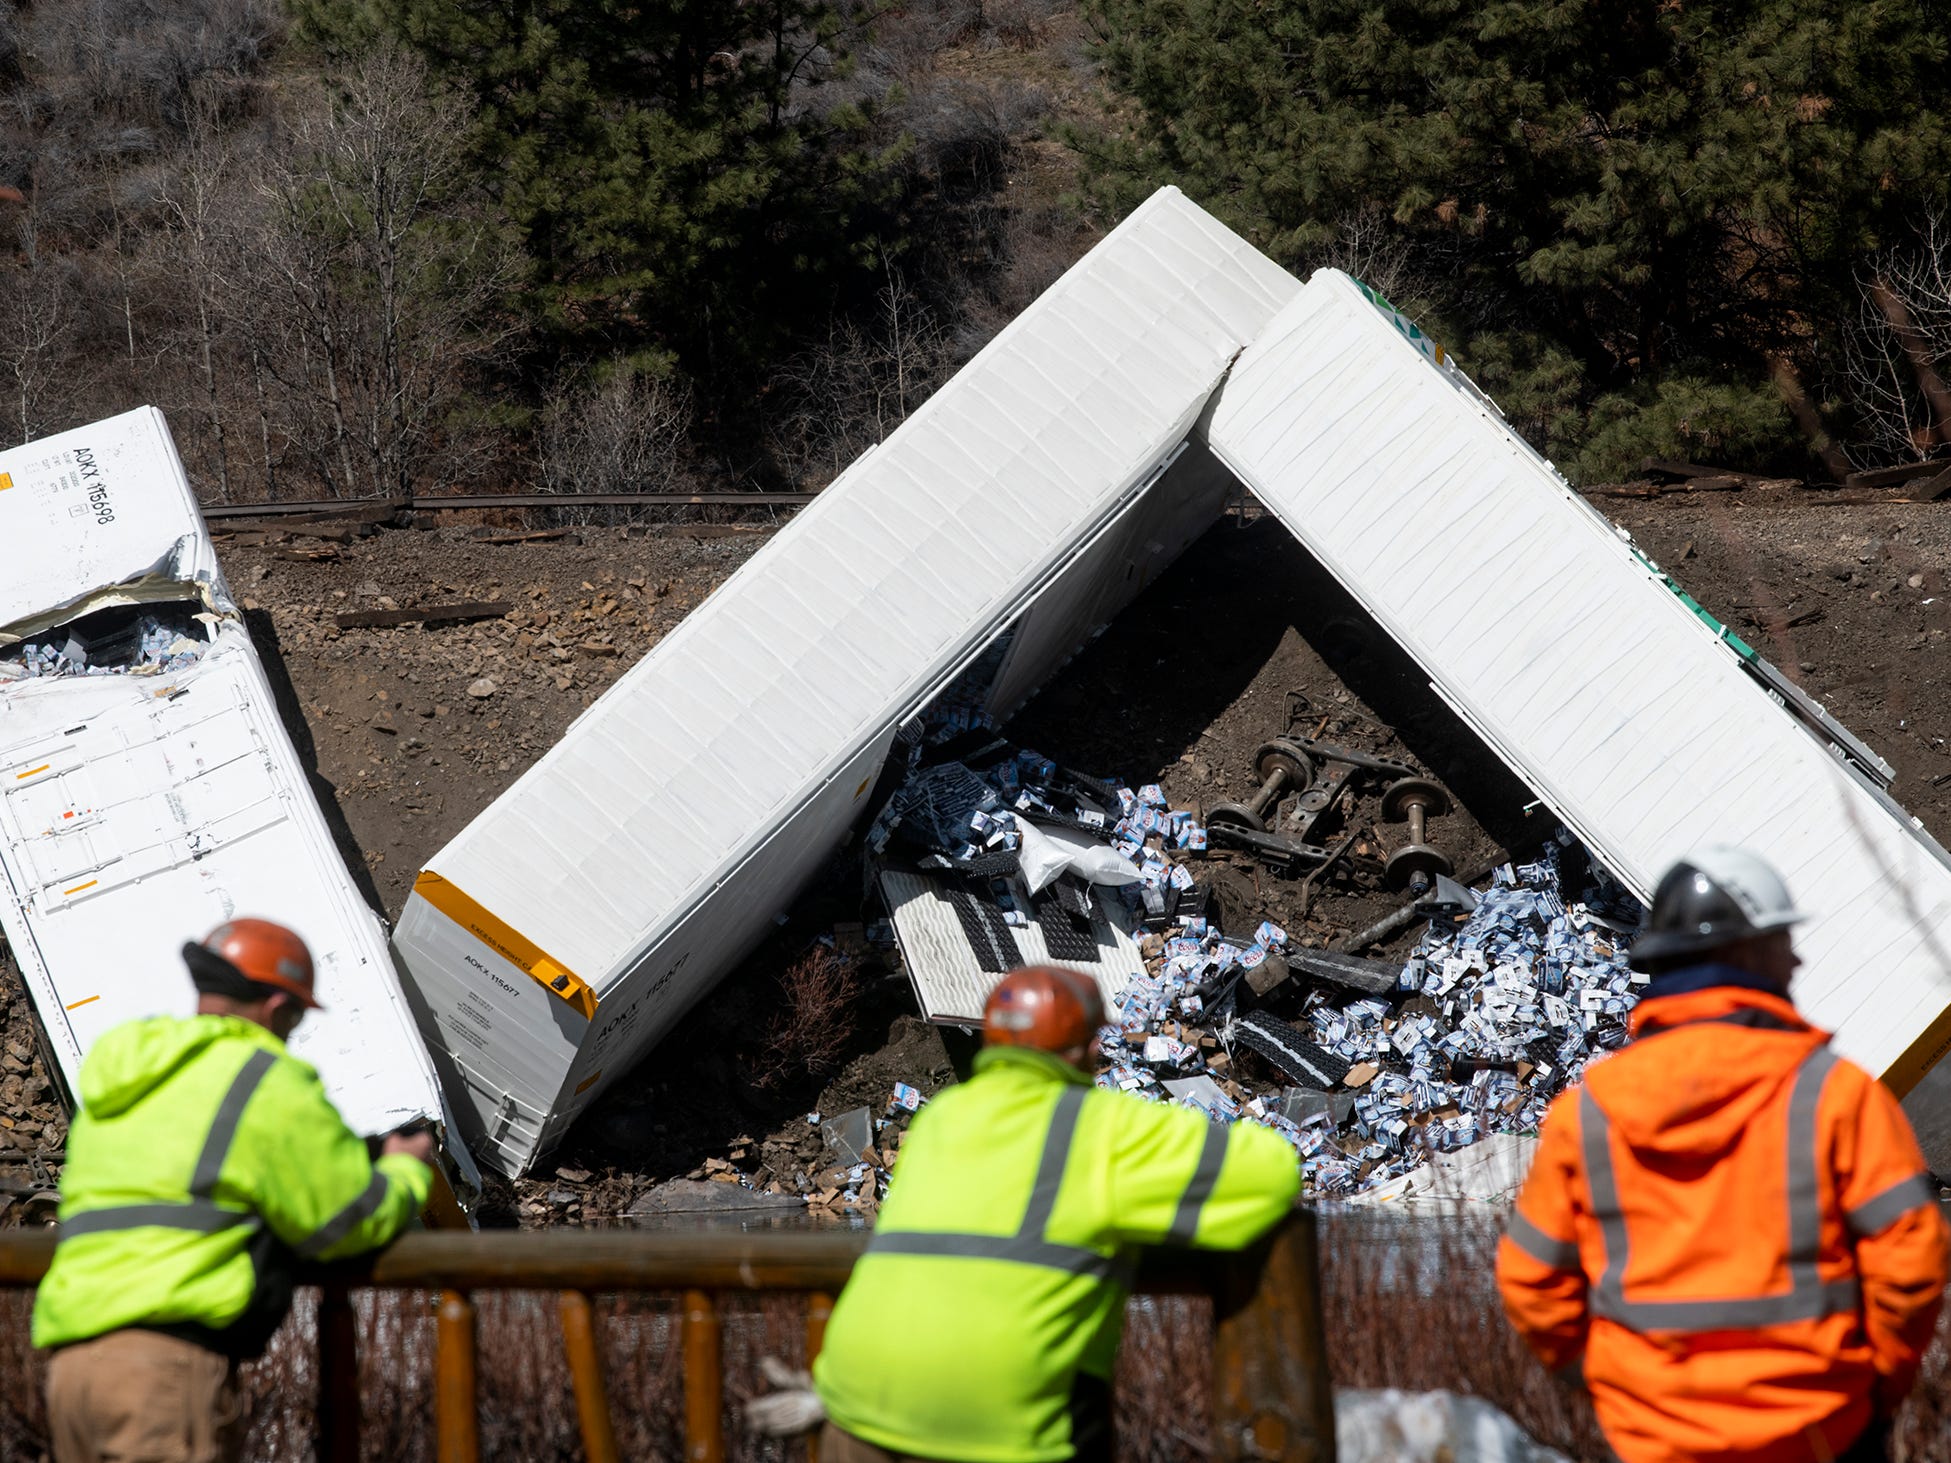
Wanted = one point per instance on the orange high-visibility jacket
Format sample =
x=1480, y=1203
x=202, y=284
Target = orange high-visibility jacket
x=1732, y=1229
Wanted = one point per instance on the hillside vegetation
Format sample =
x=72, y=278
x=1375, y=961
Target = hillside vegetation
x=358, y=248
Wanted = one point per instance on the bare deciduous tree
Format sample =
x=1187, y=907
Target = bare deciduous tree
x=37, y=310
x=197, y=200
x=1899, y=345
x=376, y=282
x=623, y=431
x=849, y=393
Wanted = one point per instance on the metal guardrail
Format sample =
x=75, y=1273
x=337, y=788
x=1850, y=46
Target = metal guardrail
x=1271, y=1399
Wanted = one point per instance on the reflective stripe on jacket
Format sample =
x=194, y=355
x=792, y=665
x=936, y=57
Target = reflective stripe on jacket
x=202, y=1156
x=1733, y=1231
x=994, y=1289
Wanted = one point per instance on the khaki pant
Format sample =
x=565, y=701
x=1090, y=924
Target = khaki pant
x=840, y=1446
x=137, y=1397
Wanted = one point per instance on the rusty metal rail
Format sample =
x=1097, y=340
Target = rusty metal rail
x=1271, y=1398
x=377, y=509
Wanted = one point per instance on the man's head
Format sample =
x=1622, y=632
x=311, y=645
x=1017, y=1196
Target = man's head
x=1722, y=906
x=253, y=969
x=1048, y=1008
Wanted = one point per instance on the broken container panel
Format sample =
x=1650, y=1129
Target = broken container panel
x=86, y=525
x=625, y=873
x=952, y=979
x=148, y=790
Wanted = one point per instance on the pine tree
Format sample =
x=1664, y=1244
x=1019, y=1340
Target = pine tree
x=1614, y=204
x=677, y=176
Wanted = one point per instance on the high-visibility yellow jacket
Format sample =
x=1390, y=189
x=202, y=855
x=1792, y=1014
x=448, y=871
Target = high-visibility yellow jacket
x=1731, y=1229
x=203, y=1158
x=992, y=1295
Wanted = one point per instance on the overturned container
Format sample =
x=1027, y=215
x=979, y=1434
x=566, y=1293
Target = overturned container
x=1648, y=727
x=148, y=789
x=572, y=924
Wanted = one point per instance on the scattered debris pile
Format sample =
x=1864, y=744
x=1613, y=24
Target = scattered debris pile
x=117, y=642
x=1492, y=1016
x=1368, y=1068
x=33, y=1129
x=1005, y=811
x=839, y=1166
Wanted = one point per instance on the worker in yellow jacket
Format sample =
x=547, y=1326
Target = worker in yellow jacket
x=982, y=1322
x=204, y=1161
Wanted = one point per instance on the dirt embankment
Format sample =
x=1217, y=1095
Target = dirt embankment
x=412, y=731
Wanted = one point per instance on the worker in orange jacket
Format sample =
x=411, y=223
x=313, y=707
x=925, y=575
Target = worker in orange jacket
x=1728, y=1232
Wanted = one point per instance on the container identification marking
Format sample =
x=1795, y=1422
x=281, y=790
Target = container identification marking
x=92, y=484
x=506, y=941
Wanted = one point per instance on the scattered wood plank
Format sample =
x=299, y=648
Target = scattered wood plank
x=453, y=614
x=1842, y=499
x=540, y=535
x=1775, y=624
x=1890, y=477
x=708, y=530
x=1936, y=489
x=1669, y=467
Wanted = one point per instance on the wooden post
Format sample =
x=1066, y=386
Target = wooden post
x=338, y=1376
x=1271, y=1395
x=819, y=1306
x=704, y=1382
x=586, y=1373
x=457, y=1422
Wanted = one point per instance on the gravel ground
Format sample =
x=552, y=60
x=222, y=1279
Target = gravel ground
x=412, y=731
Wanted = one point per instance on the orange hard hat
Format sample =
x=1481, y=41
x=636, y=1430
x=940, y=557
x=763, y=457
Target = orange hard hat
x=260, y=951
x=1047, y=1007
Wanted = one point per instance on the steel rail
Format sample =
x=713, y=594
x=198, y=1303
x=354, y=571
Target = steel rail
x=372, y=508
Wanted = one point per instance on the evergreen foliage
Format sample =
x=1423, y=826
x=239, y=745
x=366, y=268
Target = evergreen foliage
x=1619, y=210
x=680, y=181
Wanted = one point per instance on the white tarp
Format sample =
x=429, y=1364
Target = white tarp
x=138, y=811
x=572, y=923
x=1390, y=1426
x=1536, y=620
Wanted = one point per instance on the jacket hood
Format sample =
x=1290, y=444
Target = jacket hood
x=1701, y=1068
x=130, y=1061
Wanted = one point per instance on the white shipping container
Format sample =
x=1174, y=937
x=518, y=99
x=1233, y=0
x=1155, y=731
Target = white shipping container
x=1645, y=726
x=137, y=811
x=576, y=920
x=571, y=925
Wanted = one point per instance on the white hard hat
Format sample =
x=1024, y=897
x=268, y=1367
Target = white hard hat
x=1714, y=897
